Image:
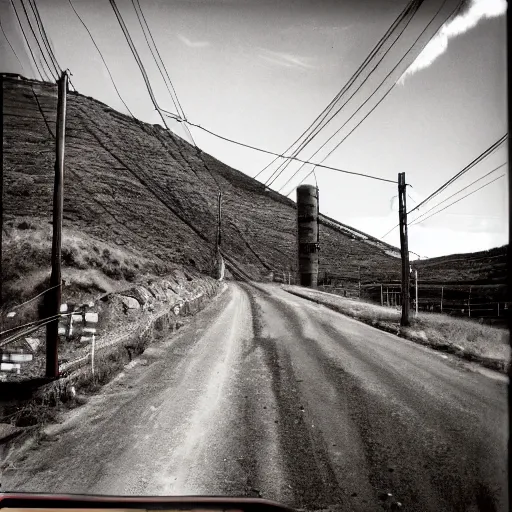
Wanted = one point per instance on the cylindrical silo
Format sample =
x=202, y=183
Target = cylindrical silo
x=307, y=234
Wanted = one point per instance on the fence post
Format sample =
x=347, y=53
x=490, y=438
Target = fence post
x=498, y=309
x=381, y=296
x=442, y=293
x=469, y=303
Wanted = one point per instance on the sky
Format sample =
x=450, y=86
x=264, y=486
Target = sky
x=260, y=72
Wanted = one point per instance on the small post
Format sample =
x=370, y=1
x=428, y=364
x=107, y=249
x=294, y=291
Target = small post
x=404, y=248
x=387, y=296
x=498, y=309
x=381, y=296
x=359, y=286
x=442, y=295
x=469, y=303
x=92, y=353
x=55, y=296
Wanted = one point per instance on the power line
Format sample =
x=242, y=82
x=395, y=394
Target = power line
x=13, y=50
x=153, y=53
x=102, y=58
x=44, y=37
x=34, y=298
x=37, y=40
x=478, y=159
x=177, y=103
x=456, y=193
x=380, y=85
x=26, y=41
x=138, y=60
x=329, y=107
x=410, y=9
x=281, y=156
x=463, y=197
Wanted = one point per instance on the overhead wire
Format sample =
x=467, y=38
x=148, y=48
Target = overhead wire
x=42, y=52
x=12, y=48
x=377, y=89
x=477, y=160
x=138, y=61
x=102, y=58
x=144, y=28
x=161, y=65
x=26, y=41
x=458, y=192
x=460, y=199
x=311, y=137
x=17, y=306
x=45, y=37
x=297, y=159
x=451, y=180
x=330, y=106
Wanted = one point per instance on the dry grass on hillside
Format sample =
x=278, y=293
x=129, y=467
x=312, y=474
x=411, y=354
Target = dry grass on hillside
x=469, y=339
x=88, y=265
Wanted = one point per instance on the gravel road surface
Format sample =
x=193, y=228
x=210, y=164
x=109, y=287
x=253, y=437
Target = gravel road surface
x=267, y=394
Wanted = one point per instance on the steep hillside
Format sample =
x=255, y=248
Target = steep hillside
x=145, y=190
x=484, y=267
x=152, y=197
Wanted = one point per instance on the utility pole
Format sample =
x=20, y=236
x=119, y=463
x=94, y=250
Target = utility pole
x=404, y=248
x=416, y=283
x=55, y=295
x=1, y=179
x=219, y=216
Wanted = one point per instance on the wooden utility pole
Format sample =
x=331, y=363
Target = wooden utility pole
x=416, y=283
x=219, y=223
x=404, y=248
x=1, y=178
x=55, y=295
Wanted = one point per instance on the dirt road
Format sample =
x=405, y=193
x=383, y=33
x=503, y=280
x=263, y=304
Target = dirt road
x=267, y=394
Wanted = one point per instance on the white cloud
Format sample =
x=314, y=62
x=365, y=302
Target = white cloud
x=193, y=44
x=462, y=22
x=284, y=59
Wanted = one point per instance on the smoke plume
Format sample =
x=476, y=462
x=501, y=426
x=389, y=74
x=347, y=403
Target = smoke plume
x=461, y=22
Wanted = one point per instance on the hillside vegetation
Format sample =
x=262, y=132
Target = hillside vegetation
x=140, y=191
x=144, y=190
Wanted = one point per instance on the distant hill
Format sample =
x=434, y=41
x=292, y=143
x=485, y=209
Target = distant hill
x=152, y=196
x=484, y=267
